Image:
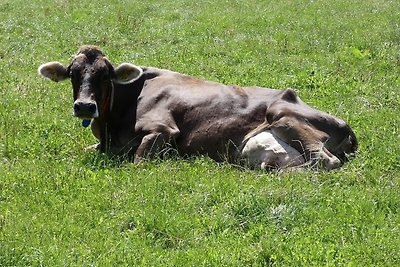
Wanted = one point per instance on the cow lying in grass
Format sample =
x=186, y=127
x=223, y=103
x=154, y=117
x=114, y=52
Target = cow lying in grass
x=137, y=111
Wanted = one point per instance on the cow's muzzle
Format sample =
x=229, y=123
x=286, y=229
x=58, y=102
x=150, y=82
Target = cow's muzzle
x=85, y=109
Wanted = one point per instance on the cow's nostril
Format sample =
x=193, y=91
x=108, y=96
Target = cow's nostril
x=92, y=108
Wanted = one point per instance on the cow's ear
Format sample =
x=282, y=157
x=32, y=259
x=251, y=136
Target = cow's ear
x=54, y=71
x=127, y=73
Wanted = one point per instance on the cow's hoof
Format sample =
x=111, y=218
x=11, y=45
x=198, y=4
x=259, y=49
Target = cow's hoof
x=332, y=163
x=326, y=163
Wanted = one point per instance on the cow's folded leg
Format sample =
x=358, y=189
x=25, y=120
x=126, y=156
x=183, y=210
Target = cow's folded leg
x=150, y=145
x=306, y=140
x=264, y=150
x=328, y=160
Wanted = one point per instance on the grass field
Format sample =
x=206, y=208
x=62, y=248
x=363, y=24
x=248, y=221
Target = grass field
x=61, y=206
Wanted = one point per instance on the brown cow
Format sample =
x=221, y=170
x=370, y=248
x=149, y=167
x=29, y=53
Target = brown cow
x=139, y=111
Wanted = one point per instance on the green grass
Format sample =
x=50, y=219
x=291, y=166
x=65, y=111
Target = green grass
x=61, y=206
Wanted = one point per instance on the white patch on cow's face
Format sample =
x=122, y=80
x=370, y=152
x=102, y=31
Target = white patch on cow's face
x=265, y=150
x=127, y=73
x=54, y=71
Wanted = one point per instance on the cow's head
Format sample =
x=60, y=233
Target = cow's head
x=343, y=142
x=92, y=77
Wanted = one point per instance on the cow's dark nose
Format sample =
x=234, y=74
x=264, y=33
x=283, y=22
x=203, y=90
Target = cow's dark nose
x=85, y=109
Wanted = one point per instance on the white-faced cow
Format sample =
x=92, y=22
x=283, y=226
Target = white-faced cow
x=138, y=111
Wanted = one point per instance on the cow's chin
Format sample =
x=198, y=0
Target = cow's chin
x=86, y=117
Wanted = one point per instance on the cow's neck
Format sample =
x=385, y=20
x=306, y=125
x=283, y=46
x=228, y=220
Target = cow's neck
x=104, y=120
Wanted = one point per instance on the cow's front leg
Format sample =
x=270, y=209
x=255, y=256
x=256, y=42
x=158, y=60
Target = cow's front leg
x=150, y=145
x=306, y=140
